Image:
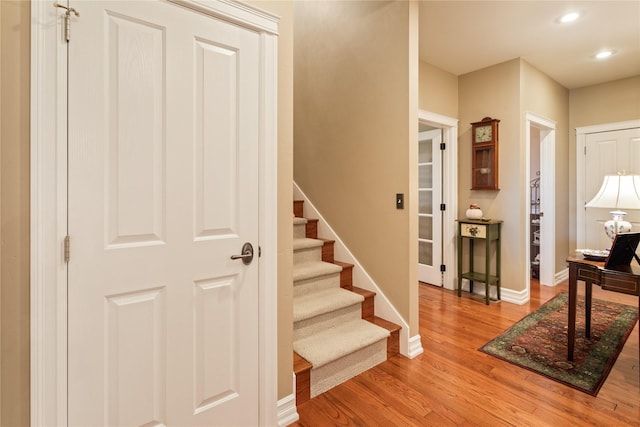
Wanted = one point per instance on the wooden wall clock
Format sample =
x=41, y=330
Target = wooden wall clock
x=484, y=152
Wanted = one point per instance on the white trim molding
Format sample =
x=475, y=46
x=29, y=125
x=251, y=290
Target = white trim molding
x=415, y=346
x=287, y=412
x=48, y=217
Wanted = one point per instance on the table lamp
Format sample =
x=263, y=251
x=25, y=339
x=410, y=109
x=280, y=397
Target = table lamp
x=618, y=192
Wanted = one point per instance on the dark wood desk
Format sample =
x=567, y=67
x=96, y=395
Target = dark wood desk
x=621, y=279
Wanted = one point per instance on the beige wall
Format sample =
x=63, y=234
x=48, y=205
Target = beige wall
x=284, y=9
x=508, y=91
x=495, y=92
x=355, y=98
x=438, y=90
x=545, y=97
x=610, y=102
x=14, y=212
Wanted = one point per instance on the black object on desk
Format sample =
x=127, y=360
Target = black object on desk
x=623, y=250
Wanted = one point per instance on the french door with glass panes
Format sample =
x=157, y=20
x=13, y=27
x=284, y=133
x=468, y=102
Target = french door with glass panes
x=429, y=213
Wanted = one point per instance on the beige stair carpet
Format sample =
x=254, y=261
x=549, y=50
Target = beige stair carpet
x=329, y=330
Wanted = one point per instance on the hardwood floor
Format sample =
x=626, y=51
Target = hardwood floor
x=453, y=384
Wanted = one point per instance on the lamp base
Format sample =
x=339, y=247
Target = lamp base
x=616, y=225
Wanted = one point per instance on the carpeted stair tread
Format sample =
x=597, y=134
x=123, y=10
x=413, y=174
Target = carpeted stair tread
x=305, y=243
x=314, y=304
x=297, y=220
x=329, y=345
x=308, y=270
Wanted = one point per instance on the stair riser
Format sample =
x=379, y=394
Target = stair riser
x=304, y=328
x=339, y=371
x=315, y=284
x=299, y=231
x=307, y=255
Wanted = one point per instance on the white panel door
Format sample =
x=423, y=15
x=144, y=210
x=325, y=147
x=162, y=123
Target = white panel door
x=607, y=153
x=163, y=189
x=429, y=214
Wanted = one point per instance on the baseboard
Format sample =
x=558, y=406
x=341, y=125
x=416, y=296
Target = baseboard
x=415, y=346
x=561, y=276
x=506, y=295
x=515, y=297
x=287, y=412
x=383, y=306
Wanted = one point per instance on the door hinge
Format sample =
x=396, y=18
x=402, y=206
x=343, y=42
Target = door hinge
x=443, y=207
x=443, y=268
x=443, y=146
x=259, y=251
x=67, y=248
x=67, y=19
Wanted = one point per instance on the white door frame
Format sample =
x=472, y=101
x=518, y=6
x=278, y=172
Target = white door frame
x=581, y=140
x=49, y=207
x=449, y=165
x=547, y=200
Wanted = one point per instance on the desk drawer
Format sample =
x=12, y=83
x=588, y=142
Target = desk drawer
x=620, y=283
x=473, y=230
x=591, y=274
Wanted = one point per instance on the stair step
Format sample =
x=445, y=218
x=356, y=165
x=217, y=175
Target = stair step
x=312, y=228
x=302, y=370
x=327, y=250
x=306, y=243
x=393, y=342
x=298, y=208
x=306, y=250
x=299, y=228
x=344, y=339
x=315, y=276
x=368, y=308
x=309, y=270
x=314, y=304
x=346, y=277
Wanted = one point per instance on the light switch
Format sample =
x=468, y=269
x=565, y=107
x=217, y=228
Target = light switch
x=400, y=201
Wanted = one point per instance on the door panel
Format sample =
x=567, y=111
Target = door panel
x=429, y=215
x=607, y=153
x=163, y=180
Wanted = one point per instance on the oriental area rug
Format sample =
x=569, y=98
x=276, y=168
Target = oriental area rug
x=539, y=342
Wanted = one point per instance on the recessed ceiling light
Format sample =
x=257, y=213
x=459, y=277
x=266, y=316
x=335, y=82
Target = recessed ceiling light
x=569, y=17
x=604, y=54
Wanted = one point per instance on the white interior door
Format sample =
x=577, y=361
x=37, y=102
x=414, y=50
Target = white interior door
x=608, y=153
x=163, y=189
x=429, y=214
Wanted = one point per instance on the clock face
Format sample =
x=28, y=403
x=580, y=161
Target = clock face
x=483, y=133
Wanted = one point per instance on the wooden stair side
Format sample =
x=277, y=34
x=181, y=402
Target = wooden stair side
x=301, y=367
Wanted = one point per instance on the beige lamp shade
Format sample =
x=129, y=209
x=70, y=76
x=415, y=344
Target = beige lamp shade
x=618, y=192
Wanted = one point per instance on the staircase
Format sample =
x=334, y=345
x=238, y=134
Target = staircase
x=336, y=335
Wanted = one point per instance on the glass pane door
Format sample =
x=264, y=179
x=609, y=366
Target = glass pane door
x=429, y=215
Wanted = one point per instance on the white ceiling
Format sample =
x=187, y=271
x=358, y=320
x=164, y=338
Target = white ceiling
x=464, y=36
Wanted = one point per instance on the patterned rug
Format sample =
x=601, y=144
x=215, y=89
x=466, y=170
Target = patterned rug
x=539, y=342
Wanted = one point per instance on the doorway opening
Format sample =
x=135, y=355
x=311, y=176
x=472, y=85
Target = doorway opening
x=540, y=148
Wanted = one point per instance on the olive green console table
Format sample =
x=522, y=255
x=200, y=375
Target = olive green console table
x=487, y=231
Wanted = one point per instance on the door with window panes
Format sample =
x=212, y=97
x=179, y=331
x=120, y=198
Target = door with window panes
x=429, y=214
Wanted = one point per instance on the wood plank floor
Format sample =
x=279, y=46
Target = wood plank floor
x=453, y=384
